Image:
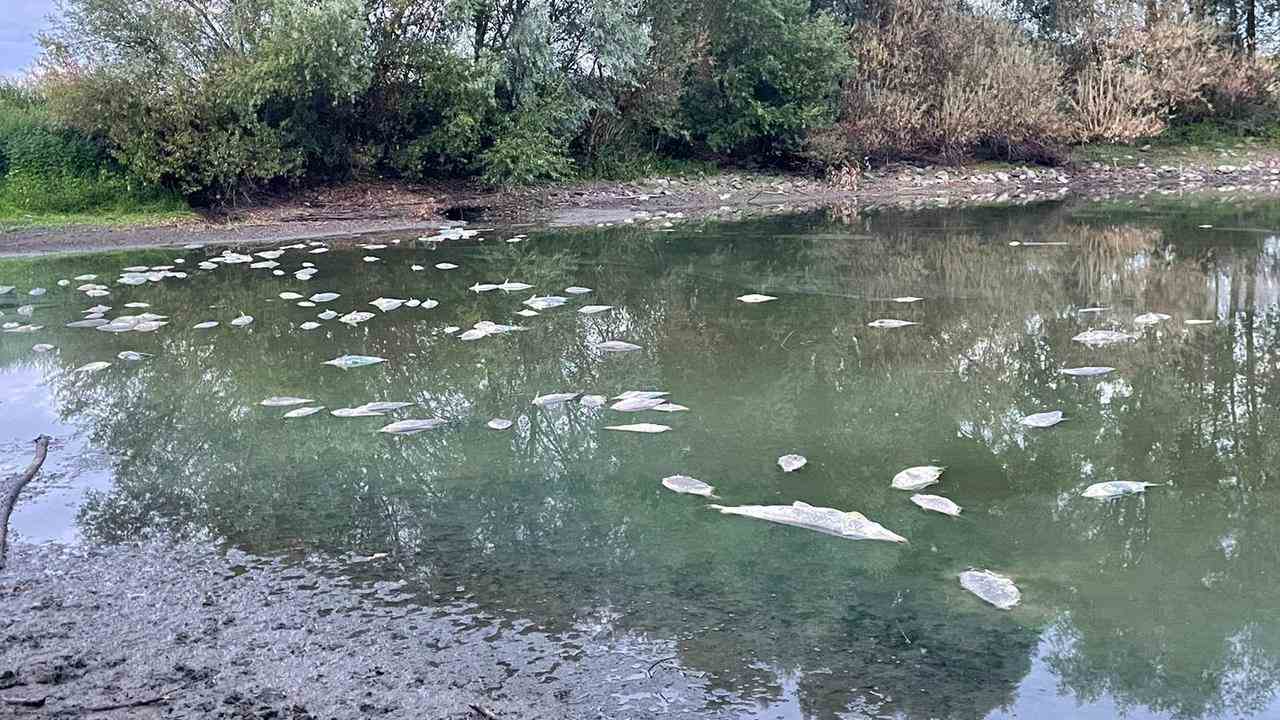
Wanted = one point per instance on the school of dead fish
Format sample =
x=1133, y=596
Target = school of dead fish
x=991, y=587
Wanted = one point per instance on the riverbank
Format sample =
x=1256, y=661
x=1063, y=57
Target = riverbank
x=1099, y=173
x=186, y=631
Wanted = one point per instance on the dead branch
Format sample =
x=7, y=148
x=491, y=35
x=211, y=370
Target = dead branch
x=9, y=493
x=24, y=702
x=483, y=712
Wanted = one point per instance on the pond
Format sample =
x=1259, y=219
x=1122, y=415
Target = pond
x=1155, y=605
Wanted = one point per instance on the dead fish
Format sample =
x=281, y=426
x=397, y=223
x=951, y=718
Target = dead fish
x=309, y=325
x=1043, y=420
x=327, y=315
x=131, y=356
x=85, y=278
x=450, y=329
x=387, y=304
x=355, y=412
x=997, y=590
x=1087, y=371
x=630, y=394
x=134, y=305
x=546, y=303
x=373, y=246
x=755, y=298
x=647, y=428
x=936, y=503
x=303, y=412
x=411, y=427
x=592, y=401
x=508, y=286
x=499, y=424
x=371, y=259
x=102, y=308
x=1197, y=322
x=686, y=485
x=318, y=251
x=1093, y=309
x=149, y=326
x=242, y=321
x=1115, y=488
x=889, y=324
x=42, y=348
x=354, y=361
x=92, y=323
x=284, y=401
x=417, y=268
x=324, y=297
x=551, y=399
x=617, y=346
x=26, y=310
x=387, y=405
x=1150, y=318
x=429, y=304
x=791, y=463
x=446, y=266
x=264, y=265
x=1099, y=338
x=849, y=525
x=527, y=313
x=270, y=254
x=473, y=334
x=37, y=292
x=93, y=367
x=576, y=290
x=670, y=407
x=207, y=325
x=636, y=404
x=355, y=317
x=290, y=296
x=593, y=309
x=482, y=287
x=916, y=478
x=908, y=299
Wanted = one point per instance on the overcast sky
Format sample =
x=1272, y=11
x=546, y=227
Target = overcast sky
x=20, y=20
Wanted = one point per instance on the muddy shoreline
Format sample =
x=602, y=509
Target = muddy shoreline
x=387, y=207
x=186, y=630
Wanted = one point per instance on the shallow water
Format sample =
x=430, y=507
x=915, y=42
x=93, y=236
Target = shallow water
x=1160, y=605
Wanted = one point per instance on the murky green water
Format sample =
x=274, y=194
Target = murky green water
x=1155, y=606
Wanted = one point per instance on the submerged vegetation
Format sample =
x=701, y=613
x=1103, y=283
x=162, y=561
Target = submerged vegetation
x=213, y=101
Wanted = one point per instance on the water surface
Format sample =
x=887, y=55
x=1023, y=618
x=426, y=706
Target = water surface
x=1156, y=606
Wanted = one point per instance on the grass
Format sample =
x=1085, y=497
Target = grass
x=101, y=218
x=106, y=200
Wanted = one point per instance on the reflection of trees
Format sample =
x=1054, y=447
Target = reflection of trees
x=556, y=516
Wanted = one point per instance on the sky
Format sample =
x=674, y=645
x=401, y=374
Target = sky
x=19, y=22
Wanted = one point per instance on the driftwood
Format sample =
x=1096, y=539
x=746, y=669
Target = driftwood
x=9, y=493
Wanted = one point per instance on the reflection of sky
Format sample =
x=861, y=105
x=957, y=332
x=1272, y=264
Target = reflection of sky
x=47, y=509
x=22, y=20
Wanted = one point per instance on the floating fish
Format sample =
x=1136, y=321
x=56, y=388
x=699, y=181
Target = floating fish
x=755, y=298
x=411, y=427
x=134, y=305
x=888, y=324
x=131, y=356
x=93, y=367
x=1099, y=338
x=1043, y=420
x=446, y=266
x=473, y=334
x=648, y=428
x=96, y=293
x=264, y=265
x=936, y=503
x=670, y=407
x=1197, y=322
x=284, y=401
x=303, y=412
x=636, y=404
x=373, y=246
x=387, y=304
x=483, y=287
x=997, y=590
x=686, y=485
x=1087, y=371
x=355, y=412
x=16, y=328
x=630, y=394
x=1150, y=318
x=102, y=308
x=576, y=290
x=1115, y=488
x=354, y=361
x=242, y=321
x=328, y=315
x=616, y=346
x=290, y=296
x=545, y=303
x=37, y=292
x=42, y=348
x=26, y=310
x=324, y=297
x=355, y=317
x=85, y=278
x=371, y=259
x=849, y=525
x=318, y=251
x=499, y=424
x=593, y=309
x=149, y=326
x=270, y=254
x=417, y=268
x=527, y=313
x=509, y=286
x=916, y=478
x=91, y=323
x=429, y=304
x=551, y=399
x=206, y=325
x=450, y=329
x=592, y=401
x=791, y=463
x=309, y=325
x=908, y=299
x=1093, y=310
x=387, y=405
x=6, y=289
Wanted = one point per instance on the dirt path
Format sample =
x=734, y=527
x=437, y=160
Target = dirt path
x=366, y=208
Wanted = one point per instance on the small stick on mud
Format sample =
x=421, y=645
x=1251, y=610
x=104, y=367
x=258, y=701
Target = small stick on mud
x=23, y=702
x=483, y=712
x=9, y=493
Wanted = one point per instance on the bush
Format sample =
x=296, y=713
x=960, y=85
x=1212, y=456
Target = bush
x=933, y=82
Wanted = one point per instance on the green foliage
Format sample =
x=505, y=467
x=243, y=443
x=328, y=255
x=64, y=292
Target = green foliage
x=525, y=154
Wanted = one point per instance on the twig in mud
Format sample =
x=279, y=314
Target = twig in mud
x=131, y=704
x=656, y=663
x=9, y=493
x=483, y=712
x=24, y=702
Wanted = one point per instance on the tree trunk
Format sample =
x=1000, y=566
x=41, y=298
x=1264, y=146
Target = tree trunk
x=1251, y=26
x=1153, y=13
